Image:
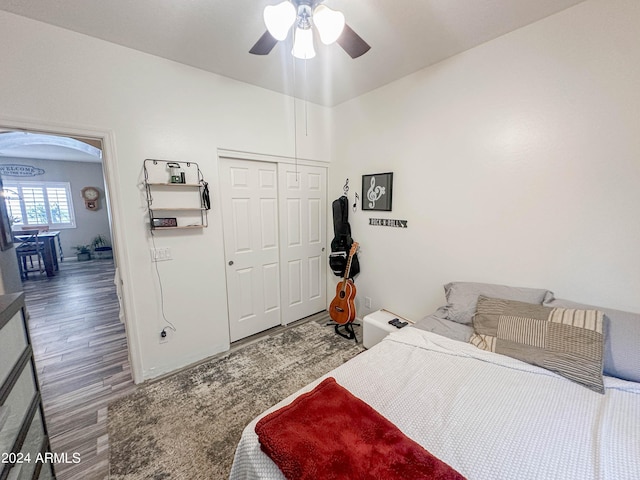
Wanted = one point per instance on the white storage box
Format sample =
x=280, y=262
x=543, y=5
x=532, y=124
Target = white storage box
x=375, y=326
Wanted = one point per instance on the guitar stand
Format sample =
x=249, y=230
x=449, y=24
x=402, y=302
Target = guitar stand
x=348, y=333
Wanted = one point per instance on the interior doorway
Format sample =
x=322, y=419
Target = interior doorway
x=55, y=181
x=80, y=342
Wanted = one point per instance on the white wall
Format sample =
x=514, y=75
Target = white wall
x=517, y=162
x=89, y=223
x=152, y=108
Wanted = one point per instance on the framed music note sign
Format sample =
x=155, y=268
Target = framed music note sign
x=377, y=191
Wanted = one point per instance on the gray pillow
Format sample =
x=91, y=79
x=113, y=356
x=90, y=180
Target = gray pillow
x=567, y=341
x=622, y=342
x=446, y=328
x=462, y=298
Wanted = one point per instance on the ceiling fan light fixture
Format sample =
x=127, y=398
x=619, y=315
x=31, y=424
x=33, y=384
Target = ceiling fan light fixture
x=329, y=23
x=305, y=16
x=279, y=18
x=303, y=44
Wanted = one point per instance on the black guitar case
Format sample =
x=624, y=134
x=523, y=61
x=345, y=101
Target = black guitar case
x=342, y=241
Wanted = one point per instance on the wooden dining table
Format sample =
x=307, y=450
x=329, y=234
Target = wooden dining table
x=50, y=253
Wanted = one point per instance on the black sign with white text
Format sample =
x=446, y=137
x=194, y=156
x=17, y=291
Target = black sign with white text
x=388, y=222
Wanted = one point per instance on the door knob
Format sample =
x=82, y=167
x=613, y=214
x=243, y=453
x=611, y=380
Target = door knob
x=230, y=262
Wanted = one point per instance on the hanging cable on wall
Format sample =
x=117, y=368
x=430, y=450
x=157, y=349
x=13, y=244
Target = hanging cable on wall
x=165, y=176
x=170, y=325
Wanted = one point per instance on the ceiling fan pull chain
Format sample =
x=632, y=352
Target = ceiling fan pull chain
x=295, y=120
x=306, y=113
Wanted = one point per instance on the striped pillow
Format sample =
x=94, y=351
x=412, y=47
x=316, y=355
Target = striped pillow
x=566, y=341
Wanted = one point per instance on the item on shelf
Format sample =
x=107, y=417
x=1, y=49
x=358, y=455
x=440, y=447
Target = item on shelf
x=181, y=201
x=174, y=175
x=164, y=222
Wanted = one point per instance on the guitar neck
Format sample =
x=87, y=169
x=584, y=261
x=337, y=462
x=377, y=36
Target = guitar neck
x=348, y=269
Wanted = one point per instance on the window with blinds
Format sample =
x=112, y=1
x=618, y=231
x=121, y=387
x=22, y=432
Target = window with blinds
x=39, y=203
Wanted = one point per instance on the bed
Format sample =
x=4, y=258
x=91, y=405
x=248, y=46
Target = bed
x=488, y=415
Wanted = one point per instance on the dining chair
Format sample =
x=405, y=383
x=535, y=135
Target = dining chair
x=27, y=247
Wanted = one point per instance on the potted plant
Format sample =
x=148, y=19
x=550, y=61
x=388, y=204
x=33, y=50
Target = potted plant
x=83, y=252
x=101, y=247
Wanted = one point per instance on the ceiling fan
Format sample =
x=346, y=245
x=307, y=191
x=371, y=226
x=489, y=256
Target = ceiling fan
x=304, y=15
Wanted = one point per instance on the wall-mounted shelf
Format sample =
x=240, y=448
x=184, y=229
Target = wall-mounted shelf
x=176, y=193
x=154, y=184
x=179, y=227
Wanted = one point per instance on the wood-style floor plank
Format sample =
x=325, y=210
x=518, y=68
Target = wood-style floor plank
x=80, y=348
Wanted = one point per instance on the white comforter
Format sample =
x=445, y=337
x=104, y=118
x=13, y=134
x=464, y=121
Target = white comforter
x=488, y=416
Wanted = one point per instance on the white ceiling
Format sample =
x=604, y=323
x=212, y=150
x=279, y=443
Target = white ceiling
x=216, y=35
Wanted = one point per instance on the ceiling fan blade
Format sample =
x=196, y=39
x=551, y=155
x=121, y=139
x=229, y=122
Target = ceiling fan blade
x=264, y=45
x=352, y=43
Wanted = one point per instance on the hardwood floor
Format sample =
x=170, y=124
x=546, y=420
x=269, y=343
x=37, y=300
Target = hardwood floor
x=80, y=348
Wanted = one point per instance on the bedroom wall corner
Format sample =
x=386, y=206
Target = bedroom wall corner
x=514, y=163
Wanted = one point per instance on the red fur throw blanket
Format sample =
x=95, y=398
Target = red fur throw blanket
x=329, y=434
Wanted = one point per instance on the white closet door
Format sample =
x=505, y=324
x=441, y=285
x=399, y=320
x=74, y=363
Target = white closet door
x=249, y=191
x=303, y=256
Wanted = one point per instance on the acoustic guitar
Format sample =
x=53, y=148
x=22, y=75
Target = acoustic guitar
x=342, y=309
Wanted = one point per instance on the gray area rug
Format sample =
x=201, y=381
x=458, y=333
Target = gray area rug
x=187, y=426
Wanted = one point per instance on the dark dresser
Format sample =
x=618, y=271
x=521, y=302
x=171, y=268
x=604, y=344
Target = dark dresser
x=24, y=443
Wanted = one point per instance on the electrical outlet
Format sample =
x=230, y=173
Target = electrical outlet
x=164, y=336
x=161, y=254
x=367, y=302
